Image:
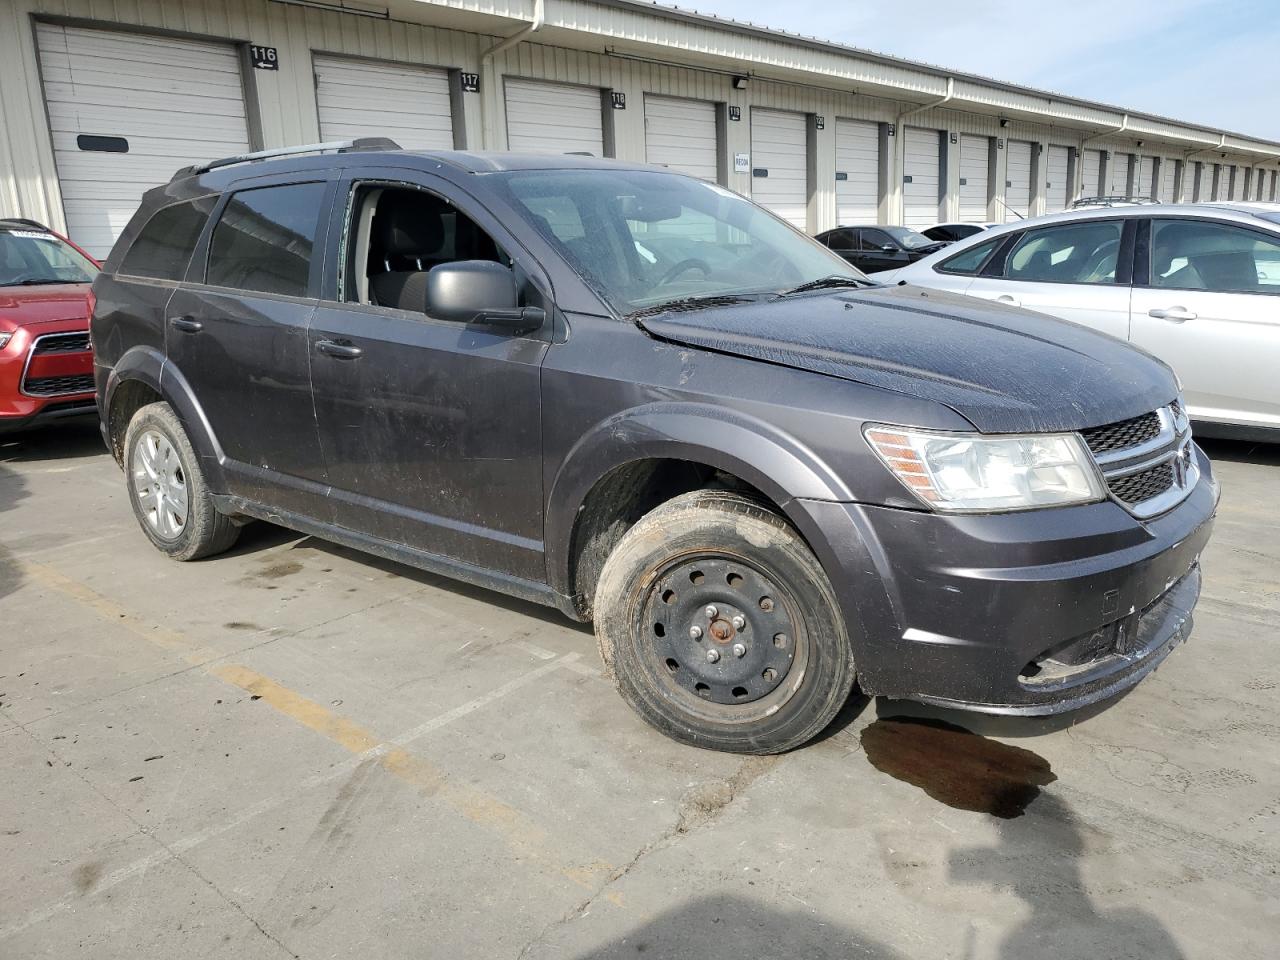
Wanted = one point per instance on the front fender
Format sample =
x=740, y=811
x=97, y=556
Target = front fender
x=777, y=464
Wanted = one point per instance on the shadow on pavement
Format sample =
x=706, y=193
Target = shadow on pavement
x=729, y=927
x=1037, y=859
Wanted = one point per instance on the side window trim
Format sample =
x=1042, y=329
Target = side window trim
x=315, y=275
x=941, y=267
x=204, y=232
x=1124, y=254
x=994, y=267
x=411, y=177
x=1224, y=224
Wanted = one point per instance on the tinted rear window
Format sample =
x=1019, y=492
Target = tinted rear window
x=164, y=246
x=264, y=239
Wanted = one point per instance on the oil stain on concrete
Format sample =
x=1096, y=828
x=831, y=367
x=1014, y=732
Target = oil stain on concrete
x=955, y=766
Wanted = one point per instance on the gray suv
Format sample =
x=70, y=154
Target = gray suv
x=643, y=400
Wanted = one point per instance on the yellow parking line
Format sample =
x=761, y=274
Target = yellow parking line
x=524, y=838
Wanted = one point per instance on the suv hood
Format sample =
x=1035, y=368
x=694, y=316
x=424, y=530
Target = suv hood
x=21, y=306
x=1003, y=368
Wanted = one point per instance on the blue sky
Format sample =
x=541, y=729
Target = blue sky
x=1204, y=61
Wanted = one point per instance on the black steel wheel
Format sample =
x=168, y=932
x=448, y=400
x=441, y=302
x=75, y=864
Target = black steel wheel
x=720, y=628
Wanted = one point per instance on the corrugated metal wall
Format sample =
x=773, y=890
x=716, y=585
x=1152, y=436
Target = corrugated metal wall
x=283, y=103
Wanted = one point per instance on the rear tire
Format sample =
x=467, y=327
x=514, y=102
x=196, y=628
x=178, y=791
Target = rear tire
x=167, y=489
x=763, y=672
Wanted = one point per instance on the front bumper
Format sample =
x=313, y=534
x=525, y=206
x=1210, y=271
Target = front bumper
x=1030, y=613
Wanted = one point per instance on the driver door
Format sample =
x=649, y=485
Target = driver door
x=430, y=429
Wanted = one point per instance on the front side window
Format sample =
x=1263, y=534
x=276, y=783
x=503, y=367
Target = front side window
x=970, y=261
x=644, y=238
x=34, y=257
x=396, y=235
x=164, y=246
x=264, y=239
x=875, y=240
x=1202, y=255
x=909, y=239
x=1080, y=252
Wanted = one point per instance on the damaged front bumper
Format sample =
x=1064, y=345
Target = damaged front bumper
x=1030, y=613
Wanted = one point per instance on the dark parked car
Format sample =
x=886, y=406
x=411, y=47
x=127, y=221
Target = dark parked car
x=951, y=232
x=879, y=248
x=645, y=401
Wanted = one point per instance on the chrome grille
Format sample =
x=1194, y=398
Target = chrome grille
x=56, y=386
x=1126, y=433
x=62, y=343
x=1147, y=461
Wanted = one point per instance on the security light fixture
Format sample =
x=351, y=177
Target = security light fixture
x=1004, y=121
x=739, y=83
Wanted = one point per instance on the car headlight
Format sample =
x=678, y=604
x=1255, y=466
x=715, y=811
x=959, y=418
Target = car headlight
x=968, y=471
x=4, y=339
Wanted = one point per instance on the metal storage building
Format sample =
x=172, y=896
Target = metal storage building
x=99, y=101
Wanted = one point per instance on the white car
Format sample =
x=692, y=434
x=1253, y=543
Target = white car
x=1198, y=285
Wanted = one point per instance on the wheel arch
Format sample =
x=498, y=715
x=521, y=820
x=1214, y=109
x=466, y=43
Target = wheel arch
x=144, y=375
x=632, y=462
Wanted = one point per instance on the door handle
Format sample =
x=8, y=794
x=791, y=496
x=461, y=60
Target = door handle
x=340, y=350
x=1176, y=314
x=186, y=324
x=1011, y=301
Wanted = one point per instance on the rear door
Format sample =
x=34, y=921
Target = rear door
x=1207, y=302
x=431, y=429
x=1078, y=271
x=237, y=331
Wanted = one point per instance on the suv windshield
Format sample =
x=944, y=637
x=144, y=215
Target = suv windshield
x=31, y=257
x=909, y=239
x=647, y=238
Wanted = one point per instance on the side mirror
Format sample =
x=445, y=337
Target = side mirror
x=479, y=291
x=888, y=248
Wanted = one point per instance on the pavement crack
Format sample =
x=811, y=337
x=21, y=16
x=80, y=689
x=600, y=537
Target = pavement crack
x=701, y=806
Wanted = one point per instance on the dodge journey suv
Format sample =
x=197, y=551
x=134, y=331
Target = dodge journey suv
x=641, y=399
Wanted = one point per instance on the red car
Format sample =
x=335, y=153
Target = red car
x=46, y=366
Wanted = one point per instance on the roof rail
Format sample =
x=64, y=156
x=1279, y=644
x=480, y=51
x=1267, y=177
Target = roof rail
x=335, y=146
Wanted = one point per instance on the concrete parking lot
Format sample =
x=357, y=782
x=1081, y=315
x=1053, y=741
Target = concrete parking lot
x=296, y=750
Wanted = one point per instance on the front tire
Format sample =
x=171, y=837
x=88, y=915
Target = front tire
x=720, y=627
x=167, y=488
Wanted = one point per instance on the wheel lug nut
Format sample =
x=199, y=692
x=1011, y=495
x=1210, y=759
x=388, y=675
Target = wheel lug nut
x=711, y=612
x=766, y=604
x=695, y=632
x=739, y=650
x=713, y=655
x=739, y=622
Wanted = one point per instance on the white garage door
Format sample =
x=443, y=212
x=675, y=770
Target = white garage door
x=554, y=117
x=779, y=164
x=1146, y=186
x=173, y=102
x=1056, y=186
x=1017, y=186
x=681, y=134
x=1168, y=179
x=1118, y=186
x=921, y=178
x=857, y=172
x=359, y=98
x=1091, y=182
x=974, y=178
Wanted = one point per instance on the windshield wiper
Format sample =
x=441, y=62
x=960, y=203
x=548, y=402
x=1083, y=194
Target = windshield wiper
x=835, y=280
x=685, y=304
x=34, y=282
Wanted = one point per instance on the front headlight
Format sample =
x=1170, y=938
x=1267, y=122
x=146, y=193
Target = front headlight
x=4, y=339
x=969, y=471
